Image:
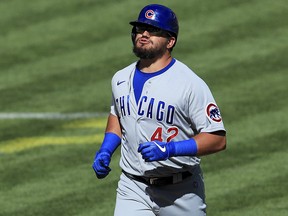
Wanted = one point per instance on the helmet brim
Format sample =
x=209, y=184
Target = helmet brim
x=147, y=22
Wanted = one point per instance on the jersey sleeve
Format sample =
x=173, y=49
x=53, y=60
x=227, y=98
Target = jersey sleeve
x=113, y=109
x=203, y=110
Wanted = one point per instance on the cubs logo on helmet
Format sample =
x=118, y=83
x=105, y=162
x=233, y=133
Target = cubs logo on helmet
x=149, y=14
x=213, y=112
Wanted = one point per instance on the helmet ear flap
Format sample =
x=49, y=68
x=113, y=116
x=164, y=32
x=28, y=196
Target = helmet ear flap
x=133, y=34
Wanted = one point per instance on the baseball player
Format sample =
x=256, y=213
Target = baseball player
x=164, y=117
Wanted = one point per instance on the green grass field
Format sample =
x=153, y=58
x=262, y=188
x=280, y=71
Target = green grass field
x=59, y=57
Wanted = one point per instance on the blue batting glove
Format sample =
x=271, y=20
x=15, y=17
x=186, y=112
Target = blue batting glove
x=156, y=150
x=101, y=163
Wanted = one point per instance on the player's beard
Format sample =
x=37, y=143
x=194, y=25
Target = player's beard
x=150, y=53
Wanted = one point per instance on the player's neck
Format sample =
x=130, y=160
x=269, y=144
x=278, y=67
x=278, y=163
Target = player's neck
x=154, y=65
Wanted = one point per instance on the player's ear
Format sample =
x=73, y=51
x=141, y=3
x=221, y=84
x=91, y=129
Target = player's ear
x=133, y=34
x=170, y=43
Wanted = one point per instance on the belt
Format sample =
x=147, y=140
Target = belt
x=175, y=178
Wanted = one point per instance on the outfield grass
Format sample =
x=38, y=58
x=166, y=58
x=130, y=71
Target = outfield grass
x=59, y=57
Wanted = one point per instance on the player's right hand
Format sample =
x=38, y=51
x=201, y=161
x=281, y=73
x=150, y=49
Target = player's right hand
x=101, y=163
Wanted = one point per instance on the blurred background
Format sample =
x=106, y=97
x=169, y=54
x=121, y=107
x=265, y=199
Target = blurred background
x=56, y=62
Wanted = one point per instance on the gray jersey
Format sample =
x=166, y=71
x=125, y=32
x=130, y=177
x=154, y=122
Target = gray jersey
x=175, y=105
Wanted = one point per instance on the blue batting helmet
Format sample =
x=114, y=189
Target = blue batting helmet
x=158, y=16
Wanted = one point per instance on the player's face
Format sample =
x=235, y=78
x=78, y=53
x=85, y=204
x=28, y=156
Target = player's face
x=150, y=42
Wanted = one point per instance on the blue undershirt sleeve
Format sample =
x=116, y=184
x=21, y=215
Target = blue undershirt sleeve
x=182, y=148
x=110, y=143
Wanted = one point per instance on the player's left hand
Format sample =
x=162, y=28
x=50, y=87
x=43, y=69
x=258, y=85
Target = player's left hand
x=154, y=151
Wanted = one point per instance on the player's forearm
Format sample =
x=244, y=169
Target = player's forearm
x=208, y=143
x=112, y=137
x=113, y=125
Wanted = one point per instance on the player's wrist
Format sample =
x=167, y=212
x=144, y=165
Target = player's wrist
x=105, y=151
x=110, y=143
x=171, y=149
x=182, y=148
